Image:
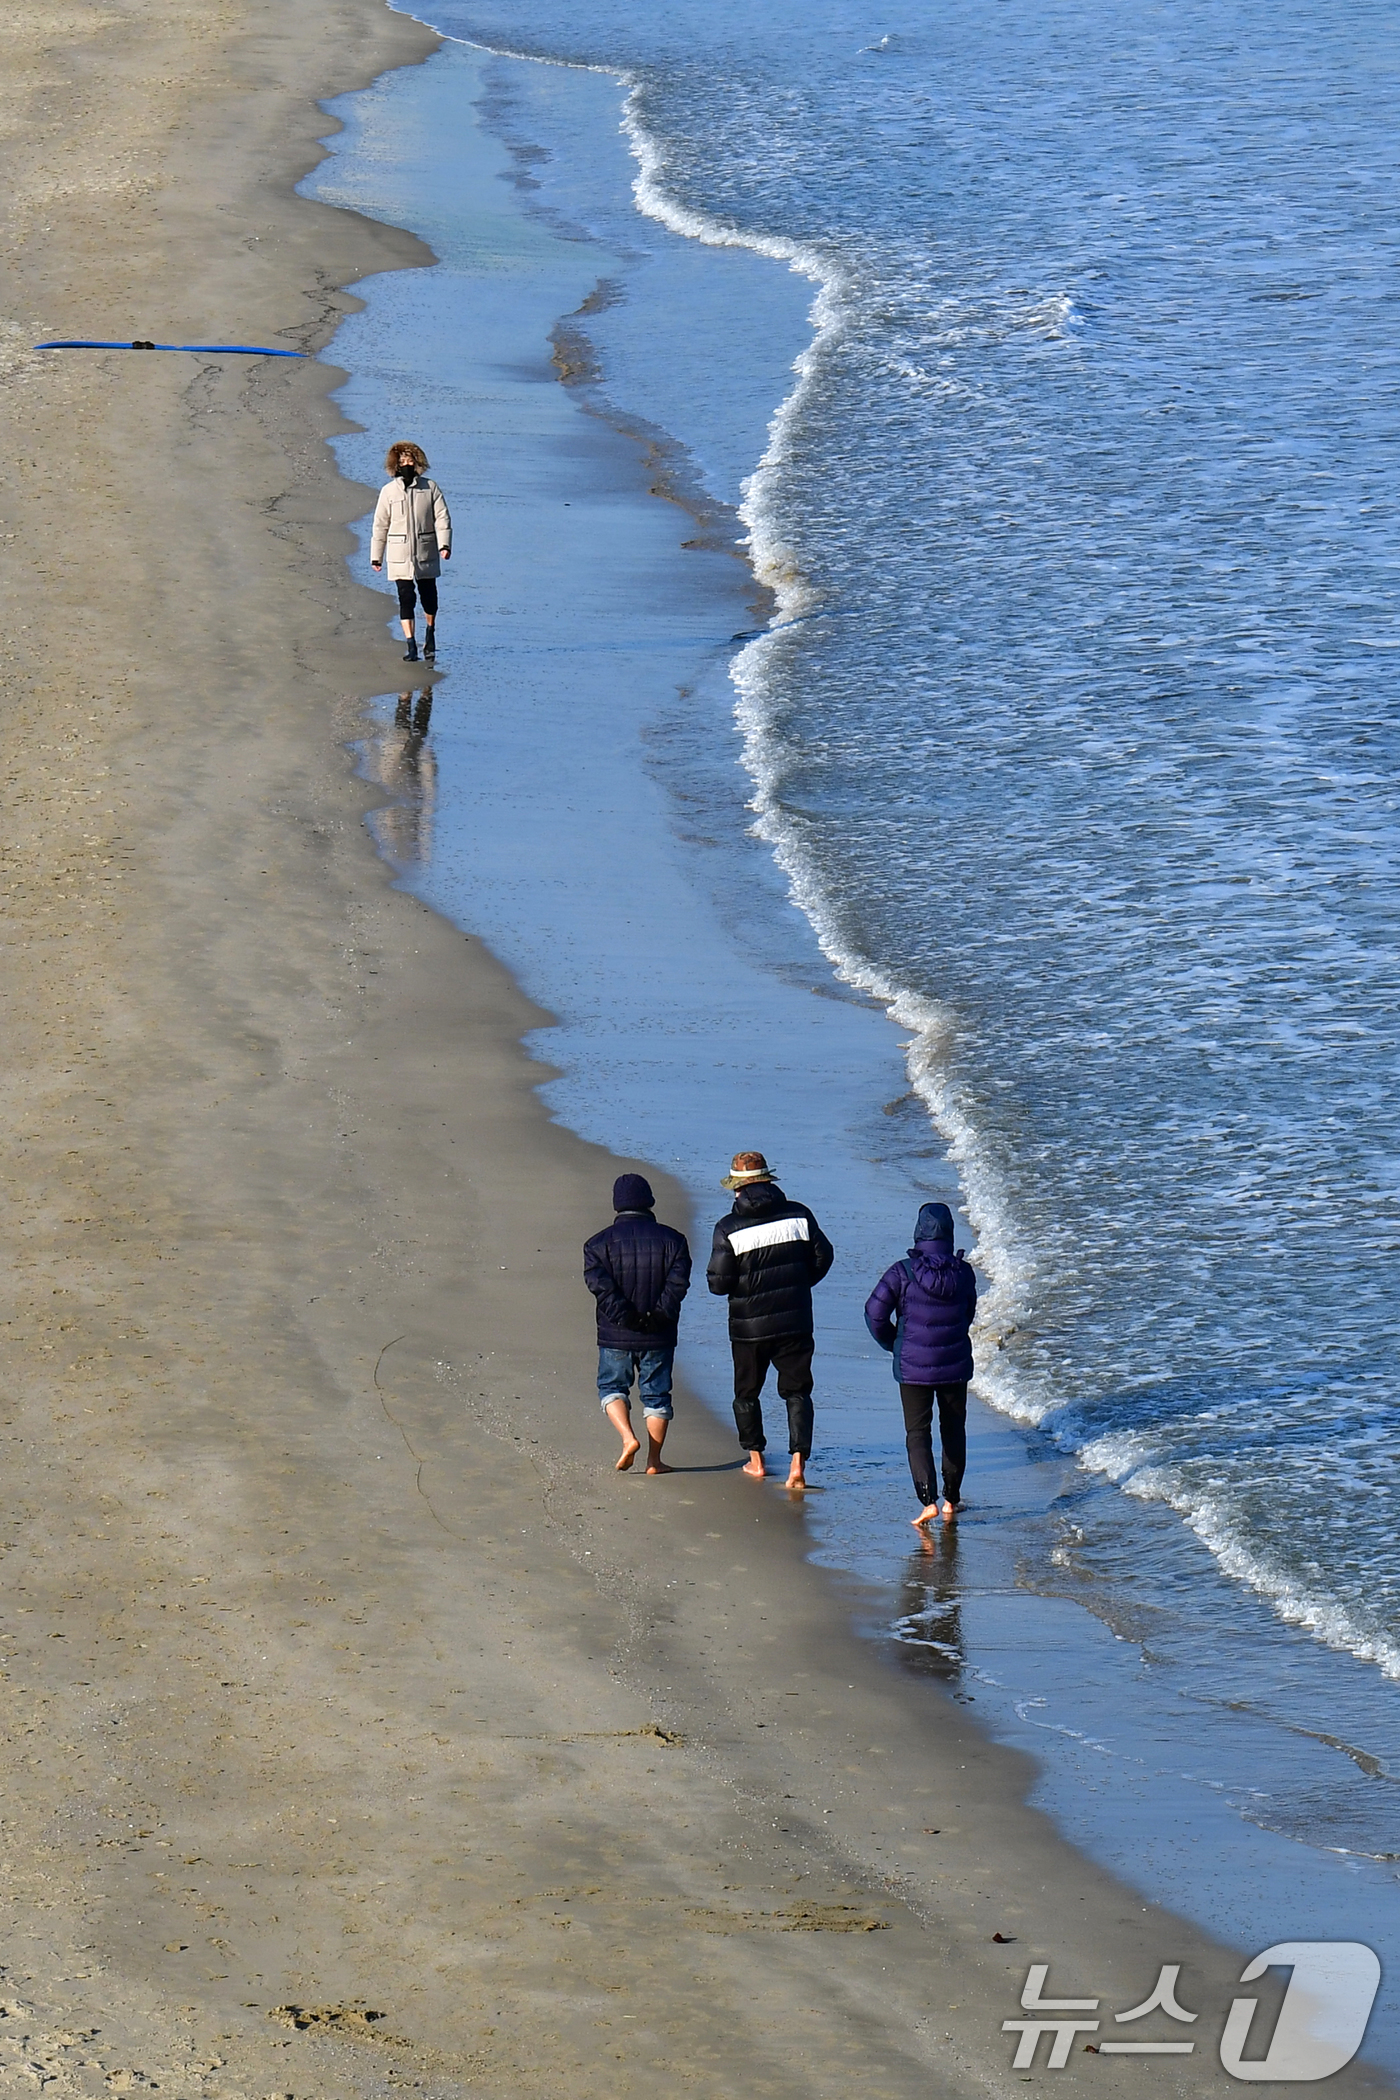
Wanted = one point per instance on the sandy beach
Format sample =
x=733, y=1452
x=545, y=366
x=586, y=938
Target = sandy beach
x=364, y=1731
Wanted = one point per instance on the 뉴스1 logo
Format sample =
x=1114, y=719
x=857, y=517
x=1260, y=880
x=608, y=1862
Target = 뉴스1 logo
x=1320, y=2026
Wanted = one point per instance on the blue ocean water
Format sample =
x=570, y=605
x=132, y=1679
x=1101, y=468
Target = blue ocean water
x=1072, y=744
x=1078, y=740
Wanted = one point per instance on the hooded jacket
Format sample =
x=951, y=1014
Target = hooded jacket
x=767, y=1254
x=411, y=523
x=637, y=1270
x=921, y=1309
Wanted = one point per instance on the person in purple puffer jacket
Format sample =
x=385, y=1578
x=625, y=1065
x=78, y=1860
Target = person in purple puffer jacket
x=921, y=1310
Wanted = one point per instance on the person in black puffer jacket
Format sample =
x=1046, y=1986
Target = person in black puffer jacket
x=638, y=1272
x=767, y=1254
x=921, y=1311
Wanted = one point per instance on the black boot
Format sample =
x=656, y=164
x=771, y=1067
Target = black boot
x=430, y=643
x=410, y=655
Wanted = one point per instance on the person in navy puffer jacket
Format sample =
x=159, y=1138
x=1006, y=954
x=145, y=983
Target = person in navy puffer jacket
x=638, y=1272
x=921, y=1310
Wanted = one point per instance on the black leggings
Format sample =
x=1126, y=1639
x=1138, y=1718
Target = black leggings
x=427, y=591
x=918, y=1402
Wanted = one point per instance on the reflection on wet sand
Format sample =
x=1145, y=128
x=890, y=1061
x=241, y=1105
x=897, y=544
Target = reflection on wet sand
x=402, y=761
x=929, y=1625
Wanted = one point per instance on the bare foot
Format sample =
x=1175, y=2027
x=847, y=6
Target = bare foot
x=755, y=1468
x=797, y=1479
x=629, y=1452
x=925, y=1516
x=659, y=1466
x=950, y=1509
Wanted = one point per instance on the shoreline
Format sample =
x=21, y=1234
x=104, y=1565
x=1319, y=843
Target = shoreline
x=478, y=765
x=313, y=1702
x=1150, y=1461
x=1128, y=1693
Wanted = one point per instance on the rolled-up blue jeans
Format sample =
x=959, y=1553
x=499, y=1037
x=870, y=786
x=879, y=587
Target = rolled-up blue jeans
x=650, y=1367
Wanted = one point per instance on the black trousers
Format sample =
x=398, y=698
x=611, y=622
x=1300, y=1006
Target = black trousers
x=427, y=591
x=919, y=1402
x=791, y=1357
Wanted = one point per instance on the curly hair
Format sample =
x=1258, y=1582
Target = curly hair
x=405, y=449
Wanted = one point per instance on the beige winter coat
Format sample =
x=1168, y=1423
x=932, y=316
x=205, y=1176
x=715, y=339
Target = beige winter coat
x=410, y=526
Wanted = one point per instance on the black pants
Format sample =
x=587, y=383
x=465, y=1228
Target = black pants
x=427, y=591
x=918, y=1402
x=415, y=720
x=791, y=1357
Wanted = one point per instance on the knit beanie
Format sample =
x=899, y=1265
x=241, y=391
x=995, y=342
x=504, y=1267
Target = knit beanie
x=633, y=1192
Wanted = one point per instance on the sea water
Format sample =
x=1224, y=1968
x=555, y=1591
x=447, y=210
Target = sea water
x=1089, y=766
x=1074, y=739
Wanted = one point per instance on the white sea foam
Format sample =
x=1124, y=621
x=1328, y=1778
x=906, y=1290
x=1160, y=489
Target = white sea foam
x=775, y=561
x=526, y=58
x=1130, y=1458
x=778, y=564
x=1013, y=1264
x=1001, y=1253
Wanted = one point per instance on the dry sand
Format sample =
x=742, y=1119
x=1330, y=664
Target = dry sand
x=341, y=1672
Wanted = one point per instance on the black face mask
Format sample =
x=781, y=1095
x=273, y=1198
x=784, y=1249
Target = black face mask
x=408, y=473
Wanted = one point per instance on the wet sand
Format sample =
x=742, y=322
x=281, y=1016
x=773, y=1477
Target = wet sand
x=342, y=1674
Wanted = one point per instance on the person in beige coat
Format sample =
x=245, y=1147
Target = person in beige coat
x=413, y=531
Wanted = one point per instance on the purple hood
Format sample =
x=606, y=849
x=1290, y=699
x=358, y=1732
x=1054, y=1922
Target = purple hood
x=921, y=1310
